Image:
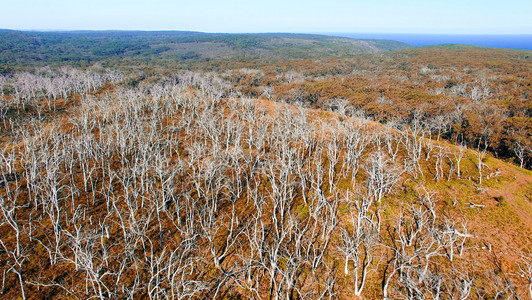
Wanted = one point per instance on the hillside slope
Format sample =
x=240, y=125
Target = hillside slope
x=178, y=188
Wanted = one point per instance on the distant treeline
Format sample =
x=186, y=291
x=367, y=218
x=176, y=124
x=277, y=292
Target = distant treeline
x=20, y=49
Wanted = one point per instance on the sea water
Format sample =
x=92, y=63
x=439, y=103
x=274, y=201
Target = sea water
x=511, y=41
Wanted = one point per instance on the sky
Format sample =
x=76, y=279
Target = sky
x=378, y=16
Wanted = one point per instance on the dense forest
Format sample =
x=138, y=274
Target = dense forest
x=310, y=167
x=110, y=48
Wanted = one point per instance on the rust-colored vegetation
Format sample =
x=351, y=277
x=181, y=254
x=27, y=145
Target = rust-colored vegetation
x=368, y=177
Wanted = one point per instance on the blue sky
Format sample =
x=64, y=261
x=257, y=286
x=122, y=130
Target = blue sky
x=390, y=16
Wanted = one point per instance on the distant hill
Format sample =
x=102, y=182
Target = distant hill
x=25, y=48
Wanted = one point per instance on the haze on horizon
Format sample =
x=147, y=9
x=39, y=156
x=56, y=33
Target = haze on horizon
x=386, y=16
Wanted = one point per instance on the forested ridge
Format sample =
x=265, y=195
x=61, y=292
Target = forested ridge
x=21, y=49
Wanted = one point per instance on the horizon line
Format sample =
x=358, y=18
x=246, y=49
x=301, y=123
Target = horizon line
x=262, y=32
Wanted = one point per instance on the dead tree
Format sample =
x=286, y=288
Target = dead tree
x=355, y=144
x=16, y=251
x=383, y=174
x=525, y=270
x=481, y=154
x=415, y=243
x=359, y=239
x=413, y=140
x=521, y=150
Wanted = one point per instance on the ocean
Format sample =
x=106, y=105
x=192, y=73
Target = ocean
x=497, y=41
